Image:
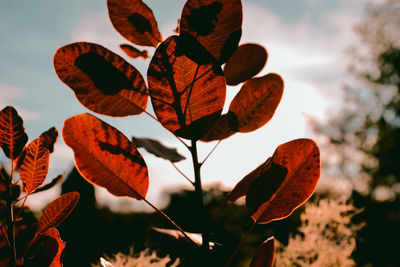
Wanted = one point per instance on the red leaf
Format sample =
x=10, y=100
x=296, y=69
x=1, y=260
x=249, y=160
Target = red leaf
x=57, y=211
x=220, y=131
x=33, y=170
x=246, y=62
x=105, y=157
x=133, y=52
x=241, y=188
x=187, y=97
x=12, y=133
x=50, y=138
x=285, y=184
x=255, y=103
x=265, y=255
x=215, y=24
x=135, y=21
x=53, y=233
x=101, y=80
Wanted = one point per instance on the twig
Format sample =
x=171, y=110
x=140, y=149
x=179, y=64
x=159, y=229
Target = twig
x=240, y=244
x=181, y=172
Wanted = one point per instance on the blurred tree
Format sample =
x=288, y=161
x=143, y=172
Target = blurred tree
x=366, y=136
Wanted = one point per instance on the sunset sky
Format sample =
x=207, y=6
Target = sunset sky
x=306, y=41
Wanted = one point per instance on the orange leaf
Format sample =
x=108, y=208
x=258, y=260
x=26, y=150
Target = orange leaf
x=50, y=138
x=101, y=80
x=287, y=183
x=255, y=103
x=215, y=24
x=105, y=157
x=187, y=97
x=33, y=170
x=246, y=62
x=133, y=52
x=241, y=188
x=53, y=233
x=12, y=133
x=57, y=211
x=265, y=254
x=135, y=21
x=221, y=130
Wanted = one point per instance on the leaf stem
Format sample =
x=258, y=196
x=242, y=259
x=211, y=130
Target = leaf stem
x=181, y=172
x=212, y=150
x=199, y=191
x=240, y=244
x=10, y=218
x=170, y=220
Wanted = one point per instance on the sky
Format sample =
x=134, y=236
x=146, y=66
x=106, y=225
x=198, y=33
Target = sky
x=306, y=41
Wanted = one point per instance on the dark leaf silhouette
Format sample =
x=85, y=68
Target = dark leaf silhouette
x=101, y=80
x=135, y=21
x=187, y=97
x=53, y=233
x=50, y=138
x=265, y=255
x=57, y=211
x=246, y=62
x=158, y=149
x=33, y=170
x=105, y=157
x=287, y=183
x=241, y=188
x=12, y=133
x=221, y=130
x=53, y=182
x=215, y=24
x=255, y=103
x=133, y=52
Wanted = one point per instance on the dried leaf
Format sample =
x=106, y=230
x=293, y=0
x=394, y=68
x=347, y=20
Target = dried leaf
x=101, y=80
x=220, y=131
x=135, y=21
x=246, y=62
x=53, y=182
x=255, y=103
x=50, y=138
x=133, y=52
x=287, y=183
x=158, y=149
x=57, y=211
x=187, y=97
x=265, y=254
x=215, y=24
x=35, y=165
x=12, y=133
x=105, y=157
x=241, y=188
x=53, y=233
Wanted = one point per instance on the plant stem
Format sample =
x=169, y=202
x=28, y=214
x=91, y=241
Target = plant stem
x=10, y=218
x=199, y=191
x=240, y=244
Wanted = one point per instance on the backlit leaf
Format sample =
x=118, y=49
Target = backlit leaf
x=105, y=157
x=53, y=182
x=241, y=188
x=57, y=211
x=221, y=130
x=158, y=149
x=101, y=80
x=53, y=233
x=135, y=21
x=246, y=62
x=265, y=255
x=12, y=133
x=255, y=103
x=133, y=52
x=33, y=170
x=187, y=96
x=215, y=24
x=50, y=138
x=287, y=183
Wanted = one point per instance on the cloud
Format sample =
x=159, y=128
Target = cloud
x=9, y=95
